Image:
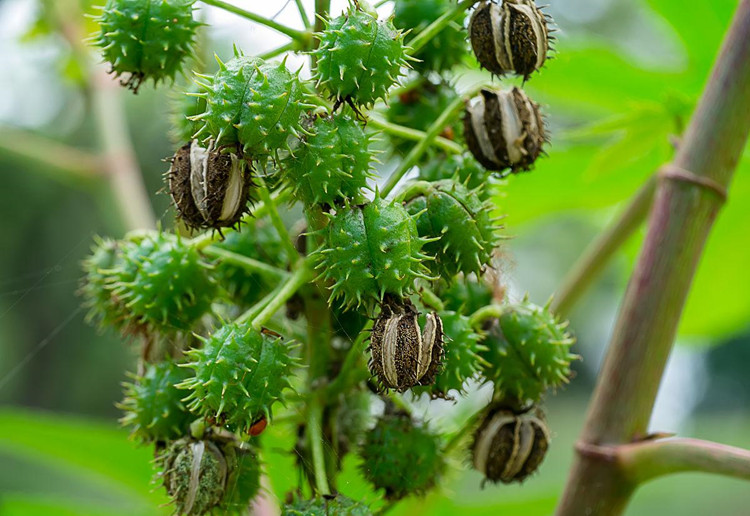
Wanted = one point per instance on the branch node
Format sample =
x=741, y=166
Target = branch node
x=675, y=173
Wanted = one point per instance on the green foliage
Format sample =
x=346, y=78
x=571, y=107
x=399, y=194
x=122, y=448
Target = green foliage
x=401, y=457
x=240, y=372
x=448, y=48
x=165, y=32
x=418, y=107
x=257, y=240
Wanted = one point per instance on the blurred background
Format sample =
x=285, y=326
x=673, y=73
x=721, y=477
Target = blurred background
x=625, y=79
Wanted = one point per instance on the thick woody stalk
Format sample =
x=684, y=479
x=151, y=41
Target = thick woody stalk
x=684, y=210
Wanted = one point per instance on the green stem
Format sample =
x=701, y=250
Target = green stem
x=411, y=159
x=67, y=162
x=278, y=51
x=303, y=14
x=598, y=254
x=273, y=213
x=295, y=34
x=267, y=271
x=486, y=312
x=435, y=27
x=314, y=429
x=685, y=208
x=348, y=375
x=407, y=133
x=300, y=277
x=431, y=299
x=258, y=211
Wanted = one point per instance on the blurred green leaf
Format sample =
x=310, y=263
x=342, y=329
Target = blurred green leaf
x=98, y=456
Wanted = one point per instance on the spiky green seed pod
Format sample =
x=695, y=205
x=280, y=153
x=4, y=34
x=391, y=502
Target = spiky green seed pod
x=371, y=250
x=240, y=372
x=418, y=108
x=528, y=352
x=243, y=478
x=164, y=284
x=100, y=271
x=460, y=221
x=461, y=361
x=153, y=405
x=462, y=168
x=467, y=296
x=253, y=105
x=339, y=505
x=332, y=163
x=257, y=240
x=147, y=39
x=359, y=57
x=195, y=475
x=447, y=48
x=401, y=457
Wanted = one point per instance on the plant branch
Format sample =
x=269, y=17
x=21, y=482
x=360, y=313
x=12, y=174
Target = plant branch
x=407, y=133
x=347, y=377
x=295, y=34
x=315, y=433
x=68, y=162
x=486, y=312
x=122, y=168
x=303, y=14
x=300, y=277
x=437, y=126
x=259, y=210
x=435, y=27
x=647, y=460
x=685, y=207
x=598, y=254
x=278, y=51
x=278, y=224
x=267, y=271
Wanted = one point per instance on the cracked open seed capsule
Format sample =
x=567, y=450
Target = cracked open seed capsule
x=504, y=129
x=511, y=37
x=510, y=446
x=402, y=356
x=209, y=189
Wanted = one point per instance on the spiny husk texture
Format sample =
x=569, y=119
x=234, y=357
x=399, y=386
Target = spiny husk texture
x=240, y=372
x=461, y=223
x=332, y=164
x=401, y=457
x=359, y=57
x=528, y=352
x=253, y=105
x=148, y=39
x=371, y=250
x=153, y=406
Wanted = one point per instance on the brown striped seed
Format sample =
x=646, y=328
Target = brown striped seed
x=402, y=356
x=504, y=129
x=508, y=446
x=511, y=37
x=209, y=189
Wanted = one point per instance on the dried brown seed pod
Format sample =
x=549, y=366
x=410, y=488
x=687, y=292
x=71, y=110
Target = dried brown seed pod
x=511, y=37
x=508, y=445
x=210, y=189
x=504, y=129
x=402, y=356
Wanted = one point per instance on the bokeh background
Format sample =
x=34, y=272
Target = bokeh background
x=625, y=79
